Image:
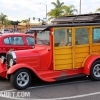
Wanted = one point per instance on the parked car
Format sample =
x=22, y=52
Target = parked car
x=16, y=41
x=6, y=31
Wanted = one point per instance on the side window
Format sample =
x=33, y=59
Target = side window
x=81, y=36
x=62, y=37
x=96, y=35
x=6, y=41
x=43, y=37
x=16, y=40
x=30, y=40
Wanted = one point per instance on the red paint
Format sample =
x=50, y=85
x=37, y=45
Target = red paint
x=88, y=63
x=3, y=70
x=46, y=75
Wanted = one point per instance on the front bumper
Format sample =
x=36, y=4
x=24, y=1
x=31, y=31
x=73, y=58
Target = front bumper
x=3, y=70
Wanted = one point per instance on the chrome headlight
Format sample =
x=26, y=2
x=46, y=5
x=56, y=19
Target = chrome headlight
x=13, y=55
x=11, y=62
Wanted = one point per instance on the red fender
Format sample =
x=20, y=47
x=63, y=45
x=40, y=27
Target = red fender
x=88, y=62
x=3, y=70
x=20, y=66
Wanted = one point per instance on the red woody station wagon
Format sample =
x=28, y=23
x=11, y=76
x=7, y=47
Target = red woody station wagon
x=73, y=50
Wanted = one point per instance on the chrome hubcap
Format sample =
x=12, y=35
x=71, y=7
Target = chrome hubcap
x=96, y=70
x=22, y=79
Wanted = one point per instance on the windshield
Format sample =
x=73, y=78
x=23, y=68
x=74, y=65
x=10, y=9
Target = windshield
x=43, y=38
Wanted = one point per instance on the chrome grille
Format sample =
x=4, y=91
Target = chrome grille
x=8, y=57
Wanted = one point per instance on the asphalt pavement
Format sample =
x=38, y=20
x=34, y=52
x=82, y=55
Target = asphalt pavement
x=73, y=89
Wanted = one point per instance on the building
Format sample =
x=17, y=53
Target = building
x=21, y=27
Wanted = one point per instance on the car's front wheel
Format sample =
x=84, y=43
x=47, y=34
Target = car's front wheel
x=21, y=79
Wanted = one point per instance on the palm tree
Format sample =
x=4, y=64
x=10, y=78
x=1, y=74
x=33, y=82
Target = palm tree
x=55, y=13
x=98, y=10
x=61, y=10
x=69, y=10
x=7, y=22
x=57, y=4
x=3, y=19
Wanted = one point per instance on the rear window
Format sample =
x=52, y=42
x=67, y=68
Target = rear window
x=17, y=40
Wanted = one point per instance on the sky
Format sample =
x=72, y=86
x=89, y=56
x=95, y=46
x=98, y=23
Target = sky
x=23, y=9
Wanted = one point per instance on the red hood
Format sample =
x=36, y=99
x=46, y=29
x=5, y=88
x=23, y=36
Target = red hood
x=31, y=52
x=26, y=53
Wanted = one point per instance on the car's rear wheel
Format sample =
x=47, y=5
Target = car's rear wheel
x=95, y=71
x=21, y=79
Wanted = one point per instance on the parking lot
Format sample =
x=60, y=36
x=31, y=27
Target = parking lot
x=73, y=89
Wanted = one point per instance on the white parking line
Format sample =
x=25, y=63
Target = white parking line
x=9, y=90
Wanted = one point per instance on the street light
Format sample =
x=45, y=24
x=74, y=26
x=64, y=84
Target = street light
x=46, y=10
x=80, y=8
